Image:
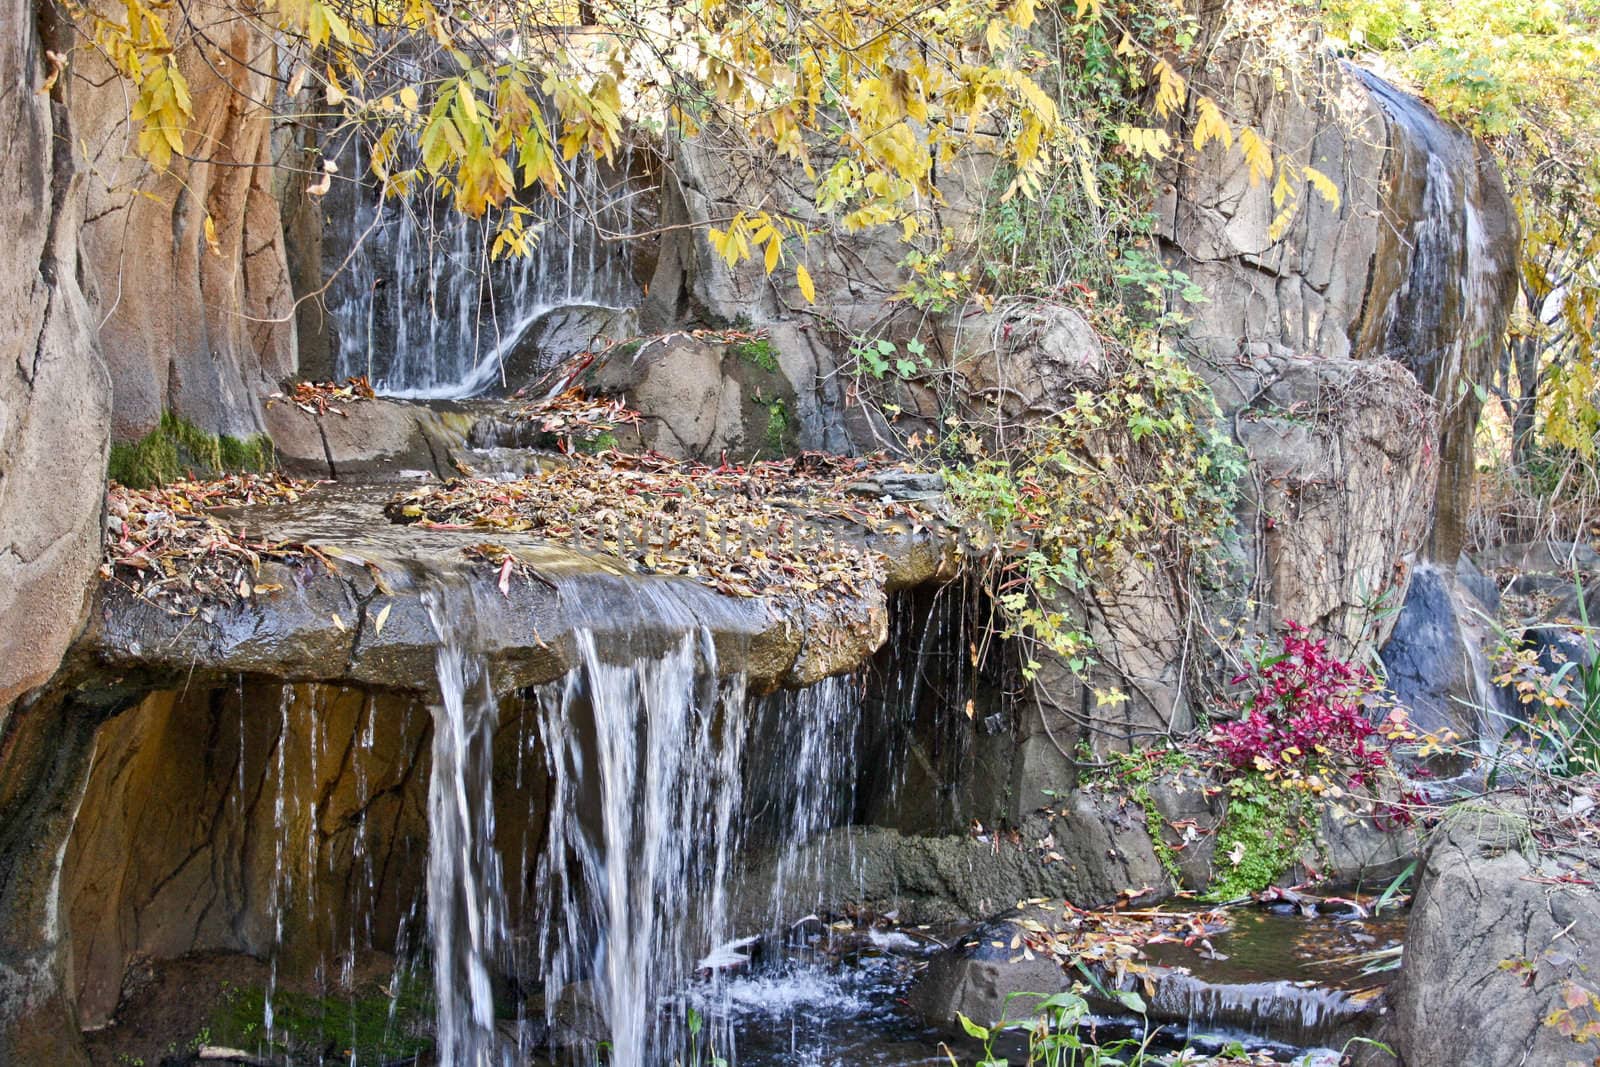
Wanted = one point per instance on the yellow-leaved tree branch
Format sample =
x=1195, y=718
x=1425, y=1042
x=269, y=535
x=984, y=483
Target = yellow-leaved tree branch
x=479, y=102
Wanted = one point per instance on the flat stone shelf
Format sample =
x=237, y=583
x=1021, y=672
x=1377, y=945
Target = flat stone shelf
x=359, y=617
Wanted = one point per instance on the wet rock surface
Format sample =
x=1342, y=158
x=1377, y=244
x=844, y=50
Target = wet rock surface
x=356, y=616
x=1282, y=979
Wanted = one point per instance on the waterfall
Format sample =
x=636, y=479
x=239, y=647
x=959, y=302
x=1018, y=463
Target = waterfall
x=805, y=783
x=660, y=770
x=423, y=307
x=642, y=833
x=465, y=893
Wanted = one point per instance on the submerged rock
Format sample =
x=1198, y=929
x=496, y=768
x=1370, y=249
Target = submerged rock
x=1276, y=979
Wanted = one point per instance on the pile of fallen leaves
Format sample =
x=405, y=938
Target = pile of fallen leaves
x=323, y=398
x=168, y=546
x=744, y=531
x=574, y=415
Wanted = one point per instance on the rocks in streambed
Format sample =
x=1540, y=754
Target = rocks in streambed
x=366, y=440
x=1278, y=979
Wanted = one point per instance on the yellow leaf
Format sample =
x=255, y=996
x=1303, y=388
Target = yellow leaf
x=773, y=247
x=1170, y=88
x=1323, y=185
x=408, y=98
x=997, y=35
x=210, y=227
x=1210, y=125
x=1280, y=225
x=1282, y=192
x=1256, y=154
x=808, y=288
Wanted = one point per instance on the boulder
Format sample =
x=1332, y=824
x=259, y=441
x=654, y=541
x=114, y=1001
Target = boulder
x=1027, y=359
x=1335, y=503
x=1092, y=851
x=54, y=391
x=1436, y=659
x=711, y=397
x=1502, y=932
x=365, y=440
x=558, y=336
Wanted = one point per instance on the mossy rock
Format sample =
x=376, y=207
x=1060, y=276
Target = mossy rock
x=177, y=448
x=367, y=1026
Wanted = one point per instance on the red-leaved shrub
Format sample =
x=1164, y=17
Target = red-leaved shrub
x=1308, y=710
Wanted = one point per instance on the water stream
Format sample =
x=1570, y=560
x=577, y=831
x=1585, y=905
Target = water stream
x=662, y=772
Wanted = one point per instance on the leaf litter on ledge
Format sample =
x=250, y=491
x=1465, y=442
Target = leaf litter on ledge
x=745, y=531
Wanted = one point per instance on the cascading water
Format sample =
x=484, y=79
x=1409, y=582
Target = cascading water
x=642, y=833
x=422, y=307
x=648, y=750
x=805, y=783
x=465, y=893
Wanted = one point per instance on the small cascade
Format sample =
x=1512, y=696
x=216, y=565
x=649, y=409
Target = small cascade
x=804, y=777
x=1299, y=1013
x=465, y=892
x=1442, y=316
x=421, y=305
x=645, y=754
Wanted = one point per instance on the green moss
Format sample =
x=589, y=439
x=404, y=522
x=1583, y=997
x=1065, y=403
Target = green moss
x=778, y=420
x=603, y=441
x=368, y=1028
x=177, y=447
x=246, y=454
x=758, y=352
x=1259, y=838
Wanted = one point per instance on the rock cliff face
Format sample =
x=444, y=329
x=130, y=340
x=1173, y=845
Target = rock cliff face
x=199, y=329
x=1416, y=263
x=54, y=400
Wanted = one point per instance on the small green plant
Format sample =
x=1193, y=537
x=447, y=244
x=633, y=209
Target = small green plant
x=1259, y=838
x=1562, y=707
x=778, y=420
x=1052, y=1032
x=604, y=441
x=882, y=358
x=758, y=352
x=929, y=285
x=1134, y=474
x=696, y=1055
